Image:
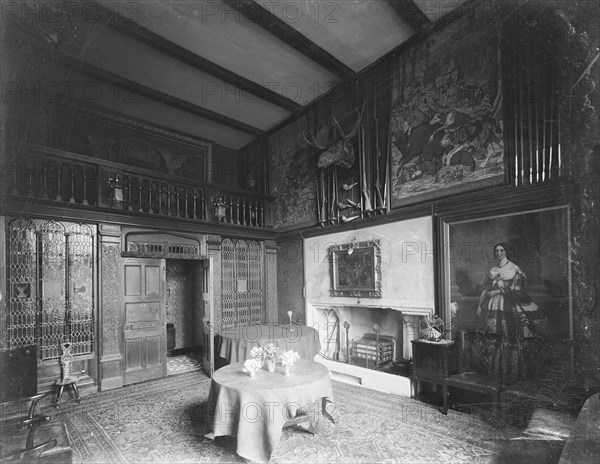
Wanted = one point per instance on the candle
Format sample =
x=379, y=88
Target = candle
x=289, y=313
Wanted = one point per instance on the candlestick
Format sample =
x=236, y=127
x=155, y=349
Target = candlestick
x=347, y=327
x=376, y=329
x=289, y=313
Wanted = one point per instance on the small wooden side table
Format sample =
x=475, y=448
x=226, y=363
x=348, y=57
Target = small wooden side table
x=433, y=362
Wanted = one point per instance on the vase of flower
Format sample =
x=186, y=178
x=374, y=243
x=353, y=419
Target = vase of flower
x=270, y=362
x=251, y=366
x=288, y=358
x=270, y=352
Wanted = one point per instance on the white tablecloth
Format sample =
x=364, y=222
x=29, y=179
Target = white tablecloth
x=255, y=409
x=235, y=344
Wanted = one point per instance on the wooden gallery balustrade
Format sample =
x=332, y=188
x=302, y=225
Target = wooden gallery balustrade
x=56, y=176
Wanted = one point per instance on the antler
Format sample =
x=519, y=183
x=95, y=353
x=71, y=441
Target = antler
x=354, y=130
x=321, y=141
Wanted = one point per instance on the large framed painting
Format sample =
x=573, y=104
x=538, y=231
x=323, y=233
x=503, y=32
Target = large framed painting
x=355, y=269
x=446, y=121
x=509, y=275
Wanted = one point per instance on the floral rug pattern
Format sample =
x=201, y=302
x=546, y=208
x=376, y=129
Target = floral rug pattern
x=163, y=421
x=183, y=363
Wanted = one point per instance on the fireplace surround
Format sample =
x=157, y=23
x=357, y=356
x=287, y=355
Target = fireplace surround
x=349, y=341
x=346, y=321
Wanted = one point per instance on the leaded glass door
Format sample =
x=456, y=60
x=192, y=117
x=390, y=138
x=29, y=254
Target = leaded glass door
x=242, y=283
x=50, y=286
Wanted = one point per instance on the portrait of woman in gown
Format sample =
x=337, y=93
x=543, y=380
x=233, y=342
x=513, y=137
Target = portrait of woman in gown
x=509, y=316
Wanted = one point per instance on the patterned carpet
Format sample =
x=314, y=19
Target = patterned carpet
x=162, y=421
x=183, y=363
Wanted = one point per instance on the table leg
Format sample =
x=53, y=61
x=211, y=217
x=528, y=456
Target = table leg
x=300, y=421
x=324, y=402
x=445, y=398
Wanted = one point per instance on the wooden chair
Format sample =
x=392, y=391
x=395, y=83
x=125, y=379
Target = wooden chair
x=28, y=436
x=66, y=360
x=472, y=369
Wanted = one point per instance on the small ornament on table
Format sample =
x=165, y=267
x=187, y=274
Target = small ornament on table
x=288, y=359
x=251, y=366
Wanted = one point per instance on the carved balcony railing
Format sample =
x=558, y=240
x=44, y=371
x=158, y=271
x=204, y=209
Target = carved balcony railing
x=71, y=179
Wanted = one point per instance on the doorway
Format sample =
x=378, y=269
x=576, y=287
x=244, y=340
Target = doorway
x=184, y=307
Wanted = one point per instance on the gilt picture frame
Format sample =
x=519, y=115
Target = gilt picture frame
x=537, y=242
x=355, y=269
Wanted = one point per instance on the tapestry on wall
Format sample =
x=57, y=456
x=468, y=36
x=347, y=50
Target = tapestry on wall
x=292, y=181
x=446, y=121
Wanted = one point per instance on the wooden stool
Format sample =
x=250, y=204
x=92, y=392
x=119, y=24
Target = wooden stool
x=66, y=360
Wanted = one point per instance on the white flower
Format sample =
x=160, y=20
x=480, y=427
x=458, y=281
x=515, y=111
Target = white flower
x=256, y=352
x=251, y=365
x=270, y=351
x=288, y=358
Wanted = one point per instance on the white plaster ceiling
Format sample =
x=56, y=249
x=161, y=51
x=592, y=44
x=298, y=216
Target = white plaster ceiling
x=230, y=70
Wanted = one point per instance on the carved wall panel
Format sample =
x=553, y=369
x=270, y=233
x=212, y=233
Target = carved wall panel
x=111, y=297
x=271, y=302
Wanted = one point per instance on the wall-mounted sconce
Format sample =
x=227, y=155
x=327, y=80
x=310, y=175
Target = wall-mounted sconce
x=351, y=248
x=115, y=189
x=354, y=243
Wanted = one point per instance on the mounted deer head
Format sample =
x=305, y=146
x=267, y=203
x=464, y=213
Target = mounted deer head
x=337, y=147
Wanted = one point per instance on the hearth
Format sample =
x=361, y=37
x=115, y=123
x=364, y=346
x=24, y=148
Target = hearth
x=360, y=344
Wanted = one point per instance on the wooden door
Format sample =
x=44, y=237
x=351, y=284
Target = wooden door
x=208, y=359
x=145, y=332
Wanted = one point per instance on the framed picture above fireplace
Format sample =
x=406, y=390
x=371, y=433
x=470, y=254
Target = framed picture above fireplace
x=355, y=269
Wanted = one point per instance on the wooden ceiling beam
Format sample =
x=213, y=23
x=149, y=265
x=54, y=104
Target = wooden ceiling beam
x=136, y=88
x=131, y=29
x=264, y=18
x=412, y=15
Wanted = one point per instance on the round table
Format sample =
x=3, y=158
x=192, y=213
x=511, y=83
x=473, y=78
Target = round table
x=255, y=409
x=234, y=344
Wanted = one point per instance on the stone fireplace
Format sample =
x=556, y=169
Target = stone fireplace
x=407, y=293
x=340, y=326
x=353, y=350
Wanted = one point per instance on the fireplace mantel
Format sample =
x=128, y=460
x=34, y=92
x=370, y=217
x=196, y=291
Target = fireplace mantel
x=405, y=310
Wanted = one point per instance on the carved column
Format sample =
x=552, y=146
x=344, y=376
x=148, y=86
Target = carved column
x=213, y=244
x=110, y=296
x=271, y=308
